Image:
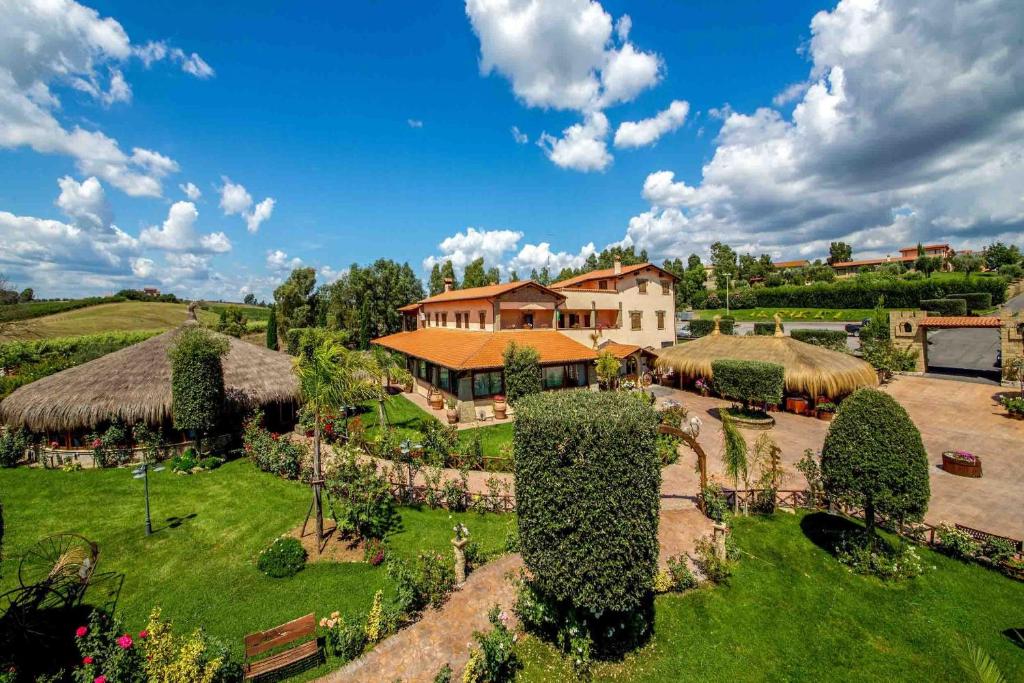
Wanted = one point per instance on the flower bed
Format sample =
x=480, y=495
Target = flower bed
x=750, y=419
x=961, y=463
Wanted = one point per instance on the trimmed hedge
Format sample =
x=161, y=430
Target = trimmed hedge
x=976, y=301
x=767, y=329
x=830, y=339
x=864, y=293
x=702, y=328
x=873, y=457
x=587, y=496
x=750, y=381
x=945, y=306
x=197, y=379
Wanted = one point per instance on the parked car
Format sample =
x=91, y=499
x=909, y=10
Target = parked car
x=854, y=328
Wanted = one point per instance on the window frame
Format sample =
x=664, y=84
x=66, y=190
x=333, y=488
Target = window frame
x=636, y=321
x=641, y=285
x=661, y=319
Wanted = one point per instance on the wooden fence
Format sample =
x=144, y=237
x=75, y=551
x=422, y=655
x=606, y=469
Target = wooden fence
x=920, y=532
x=484, y=502
x=53, y=458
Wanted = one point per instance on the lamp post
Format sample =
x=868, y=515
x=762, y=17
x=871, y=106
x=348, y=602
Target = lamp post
x=142, y=472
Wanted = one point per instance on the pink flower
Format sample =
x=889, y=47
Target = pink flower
x=143, y=634
x=87, y=660
x=124, y=642
x=100, y=679
x=81, y=632
x=96, y=443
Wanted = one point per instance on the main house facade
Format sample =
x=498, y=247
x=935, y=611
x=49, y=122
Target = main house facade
x=454, y=341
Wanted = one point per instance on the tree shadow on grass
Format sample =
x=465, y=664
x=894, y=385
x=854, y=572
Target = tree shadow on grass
x=175, y=522
x=1015, y=636
x=828, y=531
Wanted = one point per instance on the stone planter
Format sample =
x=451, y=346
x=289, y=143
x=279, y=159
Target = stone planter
x=761, y=423
x=500, y=408
x=453, y=415
x=797, y=404
x=954, y=465
x=825, y=415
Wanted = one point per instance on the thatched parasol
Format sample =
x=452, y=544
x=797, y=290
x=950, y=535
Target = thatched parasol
x=134, y=385
x=811, y=370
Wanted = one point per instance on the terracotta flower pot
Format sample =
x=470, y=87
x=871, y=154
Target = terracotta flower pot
x=960, y=467
x=797, y=404
x=500, y=408
x=436, y=400
x=826, y=415
x=453, y=415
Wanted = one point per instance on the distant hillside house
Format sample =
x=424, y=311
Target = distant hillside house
x=454, y=341
x=151, y=291
x=787, y=265
x=908, y=255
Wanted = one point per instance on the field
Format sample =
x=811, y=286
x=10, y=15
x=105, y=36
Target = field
x=791, y=612
x=199, y=565
x=250, y=312
x=824, y=315
x=116, y=317
x=404, y=415
x=37, y=309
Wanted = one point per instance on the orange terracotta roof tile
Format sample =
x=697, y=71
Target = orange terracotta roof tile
x=468, y=350
x=618, y=350
x=408, y=308
x=960, y=321
x=799, y=263
x=482, y=292
x=606, y=273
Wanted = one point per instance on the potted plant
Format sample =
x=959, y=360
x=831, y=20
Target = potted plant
x=826, y=411
x=453, y=412
x=435, y=399
x=702, y=386
x=1014, y=406
x=797, y=404
x=500, y=407
x=961, y=463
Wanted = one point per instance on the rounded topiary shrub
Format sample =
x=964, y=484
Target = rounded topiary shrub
x=873, y=458
x=587, y=494
x=285, y=557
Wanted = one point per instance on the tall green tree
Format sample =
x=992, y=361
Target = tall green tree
x=448, y=273
x=513, y=275
x=475, y=274
x=998, y=254
x=197, y=380
x=839, y=252
x=723, y=258
x=607, y=367
x=296, y=300
x=436, y=282
x=522, y=371
x=968, y=264
x=365, y=301
x=734, y=456
x=272, y=328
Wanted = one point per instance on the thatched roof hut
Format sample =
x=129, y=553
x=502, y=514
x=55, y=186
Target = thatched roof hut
x=811, y=370
x=134, y=385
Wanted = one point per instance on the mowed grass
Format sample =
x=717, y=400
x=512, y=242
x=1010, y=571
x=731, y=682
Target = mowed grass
x=791, y=612
x=410, y=419
x=199, y=565
x=116, y=317
x=790, y=314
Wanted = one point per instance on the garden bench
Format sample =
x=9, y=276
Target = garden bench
x=257, y=644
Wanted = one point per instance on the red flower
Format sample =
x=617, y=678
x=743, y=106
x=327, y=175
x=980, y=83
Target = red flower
x=96, y=443
x=81, y=632
x=124, y=642
x=87, y=660
x=143, y=634
x=100, y=679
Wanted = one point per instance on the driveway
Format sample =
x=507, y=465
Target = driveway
x=951, y=415
x=973, y=349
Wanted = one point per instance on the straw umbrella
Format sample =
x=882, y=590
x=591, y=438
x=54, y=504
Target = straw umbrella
x=809, y=369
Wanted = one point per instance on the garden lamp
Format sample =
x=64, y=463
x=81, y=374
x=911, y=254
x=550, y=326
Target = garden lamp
x=142, y=472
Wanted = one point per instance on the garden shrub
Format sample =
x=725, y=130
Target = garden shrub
x=283, y=558
x=587, y=506
x=197, y=379
x=830, y=339
x=957, y=543
x=444, y=674
x=268, y=451
x=494, y=658
x=361, y=499
x=522, y=372
x=713, y=566
x=293, y=338
x=682, y=578
x=668, y=448
x=863, y=292
x=113, y=446
x=702, y=328
x=374, y=552
x=873, y=458
x=749, y=381
x=1011, y=271
x=211, y=462
x=345, y=639
x=715, y=504
x=944, y=306
x=767, y=329
x=186, y=462
x=427, y=581
x=13, y=444
x=880, y=558
x=975, y=301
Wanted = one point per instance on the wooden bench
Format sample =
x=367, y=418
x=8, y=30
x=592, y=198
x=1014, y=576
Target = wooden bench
x=257, y=644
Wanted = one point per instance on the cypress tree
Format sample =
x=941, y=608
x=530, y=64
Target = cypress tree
x=272, y=329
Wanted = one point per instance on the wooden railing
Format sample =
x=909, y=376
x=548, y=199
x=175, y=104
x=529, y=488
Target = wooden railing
x=418, y=495
x=52, y=458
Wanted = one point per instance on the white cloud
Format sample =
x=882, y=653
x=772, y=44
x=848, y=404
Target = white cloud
x=791, y=93
x=157, y=164
x=463, y=247
x=235, y=199
x=414, y=123
x=178, y=234
x=538, y=256
x=48, y=45
x=191, y=191
x=142, y=267
x=192, y=64
x=153, y=51
x=623, y=26
x=84, y=202
x=277, y=260
x=582, y=147
x=520, y=137
x=560, y=53
x=909, y=129
x=647, y=131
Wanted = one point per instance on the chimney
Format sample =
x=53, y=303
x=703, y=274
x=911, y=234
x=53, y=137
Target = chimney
x=447, y=284
x=618, y=266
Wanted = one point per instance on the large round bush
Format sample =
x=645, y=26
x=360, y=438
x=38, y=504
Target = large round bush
x=587, y=494
x=873, y=458
x=284, y=558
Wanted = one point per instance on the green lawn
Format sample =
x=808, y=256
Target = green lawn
x=793, y=613
x=791, y=314
x=407, y=417
x=199, y=565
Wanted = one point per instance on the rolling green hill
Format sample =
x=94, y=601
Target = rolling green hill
x=113, y=317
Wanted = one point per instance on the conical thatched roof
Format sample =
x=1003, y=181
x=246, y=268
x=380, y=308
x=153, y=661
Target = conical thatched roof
x=134, y=385
x=810, y=369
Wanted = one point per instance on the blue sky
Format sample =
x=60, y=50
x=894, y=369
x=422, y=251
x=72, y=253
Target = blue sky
x=311, y=106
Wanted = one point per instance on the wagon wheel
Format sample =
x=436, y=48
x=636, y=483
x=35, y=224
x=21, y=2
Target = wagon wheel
x=64, y=562
x=23, y=612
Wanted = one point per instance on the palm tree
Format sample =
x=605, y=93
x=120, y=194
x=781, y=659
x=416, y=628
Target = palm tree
x=734, y=455
x=386, y=367
x=977, y=665
x=330, y=378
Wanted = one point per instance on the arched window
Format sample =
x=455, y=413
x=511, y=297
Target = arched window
x=907, y=328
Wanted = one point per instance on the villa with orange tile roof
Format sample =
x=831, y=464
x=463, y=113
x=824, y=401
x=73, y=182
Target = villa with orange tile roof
x=454, y=341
